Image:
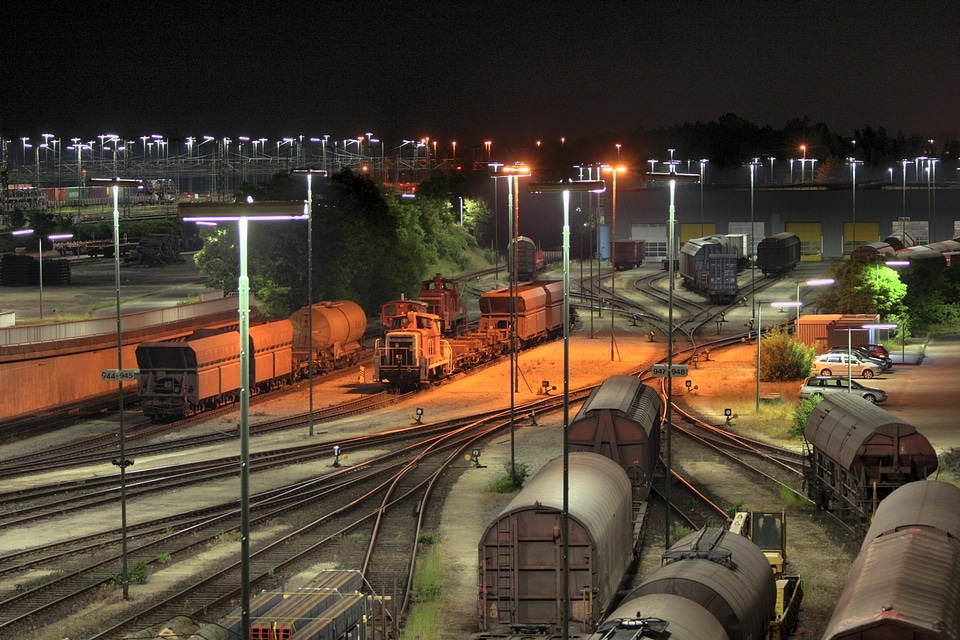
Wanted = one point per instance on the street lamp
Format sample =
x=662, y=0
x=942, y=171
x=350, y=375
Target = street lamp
x=54, y=237
x=309, y=173
x=613, y=255
x=820, y=282
x=753, y=271
x=775, y=305
x=242, y=213
x=672, y=179
x=853, y=179
x=565, y=188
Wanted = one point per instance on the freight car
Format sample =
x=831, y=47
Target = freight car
x=778, y=254
x=858, y=454
x=178, y=378
x=903, y=583
x=529, y=258
x=871, y=249
x=520, y=575
x=337, y=340
x=712, y=584
x=417, y=353
x=934, y=256
x=709, y=266
x=629, y=254
x=621, y=420
x=901, y=240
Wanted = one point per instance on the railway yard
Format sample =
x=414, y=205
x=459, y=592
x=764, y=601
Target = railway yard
x=289, y=461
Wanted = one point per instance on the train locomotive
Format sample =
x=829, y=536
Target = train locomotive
x=903, y=583
x=709, y=266
x=417, y=353
x=438, y=296
x=859, y=453
x=200, y=372
x=778, y=254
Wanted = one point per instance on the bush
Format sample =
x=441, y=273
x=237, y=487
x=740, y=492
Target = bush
x=506, y=484
x=950, y=462
x=804, y=407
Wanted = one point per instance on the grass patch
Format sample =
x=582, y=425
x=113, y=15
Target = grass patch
x=506, y=483
x=425, y=614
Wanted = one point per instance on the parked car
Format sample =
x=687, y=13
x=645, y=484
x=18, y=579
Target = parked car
x=837, y=363
x=823, y=385
x=877, y=349
x=881, y=361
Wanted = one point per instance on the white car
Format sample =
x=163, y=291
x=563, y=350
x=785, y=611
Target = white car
x=822, y=386
x=830, y=364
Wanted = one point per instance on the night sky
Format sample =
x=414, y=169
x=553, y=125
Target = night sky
x=510, y=72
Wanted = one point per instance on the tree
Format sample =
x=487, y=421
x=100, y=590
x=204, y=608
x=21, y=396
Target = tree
x=862, y=286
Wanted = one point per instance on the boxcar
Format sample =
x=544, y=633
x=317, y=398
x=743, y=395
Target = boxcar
x=859, y=453
x=709, y=265
x=629, y=254
x=621, y=420
x=723, y=573
x=778, y=254
x=903, y=583
x=520, y=571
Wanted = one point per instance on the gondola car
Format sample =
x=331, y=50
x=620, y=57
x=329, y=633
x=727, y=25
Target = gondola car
x=629, y=254
x=778, y=254
x=859, y=453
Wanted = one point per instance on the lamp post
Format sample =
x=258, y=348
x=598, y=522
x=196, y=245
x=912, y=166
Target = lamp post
x=775, y=305
x=853, y=180
x=565, y=188
x=672, y=179
x=242, y=213
x=309, y=173
x=54, y=237
x=820, y=282
x=613, y=255
x=753, y=271
x=121, y=462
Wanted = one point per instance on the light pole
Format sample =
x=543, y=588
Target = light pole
x=565, y=188
x=810, y=283
x=753, y=271
x=496, y=220
x=775, y=305
x=309, y=173
x=803, y=161
x=242, y=213
x=121, y=462
x=672, y=179
x=853, y=180
x=54, y=237
x=703, y=172
x=613, y=256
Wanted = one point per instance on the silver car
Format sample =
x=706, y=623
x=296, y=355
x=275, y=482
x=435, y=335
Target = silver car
x=824, y=385
x=839, y=363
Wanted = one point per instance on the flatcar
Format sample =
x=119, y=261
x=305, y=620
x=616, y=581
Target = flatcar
x=629, y=254
x=858, y=454
x=903, y=583
x=530, y=259
x=709, y=266
x=712, y=584
x=778, y=254
x=442, y=296
x=337, y=340
x=179, y=378
x=520, y=576
x=621, y=420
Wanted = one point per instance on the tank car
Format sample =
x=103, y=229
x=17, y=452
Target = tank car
x=709, y=265
x=711, y=584
x=529, y=258
x=629, y=254
x=859, y=453
x=442, y=297
x=181, y=377
x=520, y=572
x=621, y=420
x=778, y=254
x=903, y=583
x=337, y=341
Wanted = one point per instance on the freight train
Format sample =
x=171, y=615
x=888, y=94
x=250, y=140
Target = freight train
x=200, y=372
x=709, y=266
x=417, y=353
x=858, y=453
x=903, y=583
x=614, y=448
x=935, y=255
x=778, y=254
